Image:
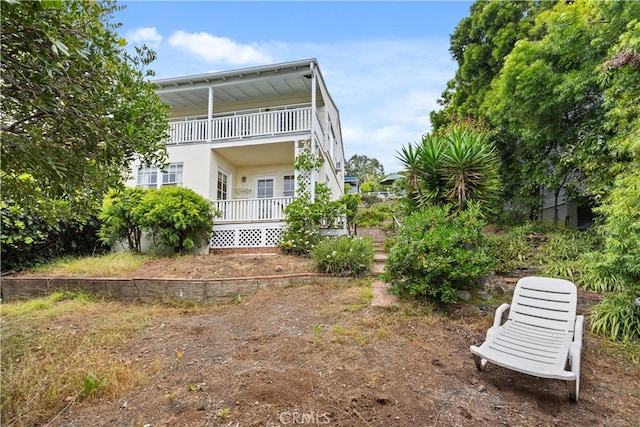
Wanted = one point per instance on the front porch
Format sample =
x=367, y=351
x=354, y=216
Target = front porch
x=258, y=223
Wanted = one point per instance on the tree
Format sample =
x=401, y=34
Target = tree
x=616, y=316
x=364, y=168
x=479, y=45
x=548, y=96
x=77, y=108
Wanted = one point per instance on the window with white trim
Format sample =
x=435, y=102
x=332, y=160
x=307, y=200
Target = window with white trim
x=288, y=185
x=222, y=192
x=147, y=177
x=172, y=175
x=265, y=188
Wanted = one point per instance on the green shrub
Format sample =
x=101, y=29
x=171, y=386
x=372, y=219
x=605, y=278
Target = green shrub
x=351, y=202
x=178, y=218
x=598, y=274
x=42, y=228
x=370, y=217
x=438, y=252
x=120, y=222
x=556, y=250
x=617, y=317
x=344, y=256
x=301, y=232
x=618, y=265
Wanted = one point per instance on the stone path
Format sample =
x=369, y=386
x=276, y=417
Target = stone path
x=381, y=296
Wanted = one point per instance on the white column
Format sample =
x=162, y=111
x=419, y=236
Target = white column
x=210, y=115
x=314, y=174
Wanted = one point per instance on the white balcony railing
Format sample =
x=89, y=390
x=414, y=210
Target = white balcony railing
x=247, y=210
x=241, y=125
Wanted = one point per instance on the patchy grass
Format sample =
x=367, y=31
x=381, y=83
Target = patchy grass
x=284, y=348
x=103, y=265
x=57, y=350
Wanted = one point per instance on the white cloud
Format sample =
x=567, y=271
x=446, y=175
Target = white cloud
x=384, y=90
x=146, y=35
x=219, y=49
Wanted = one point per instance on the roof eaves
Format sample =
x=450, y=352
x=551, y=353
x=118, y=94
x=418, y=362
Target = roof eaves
x=237, y=74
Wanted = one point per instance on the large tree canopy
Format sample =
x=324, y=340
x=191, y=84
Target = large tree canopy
x=77, y=107
x=365, y=168
x=479, y=45
x=533, y=73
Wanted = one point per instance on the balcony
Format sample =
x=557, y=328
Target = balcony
x=241, y=124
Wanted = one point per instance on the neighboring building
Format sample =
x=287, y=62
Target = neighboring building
x=570, y=213
x=233, y=139
x=352, y=184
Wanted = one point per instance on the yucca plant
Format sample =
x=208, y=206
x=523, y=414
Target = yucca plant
x=454, y=167
x=471, y=167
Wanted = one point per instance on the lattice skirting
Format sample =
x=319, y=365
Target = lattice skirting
x=245, y=235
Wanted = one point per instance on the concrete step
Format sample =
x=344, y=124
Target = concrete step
x=378, y=268
x=381, y=296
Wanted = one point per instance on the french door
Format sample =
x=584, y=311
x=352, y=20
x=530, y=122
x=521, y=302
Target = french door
x=265, y=191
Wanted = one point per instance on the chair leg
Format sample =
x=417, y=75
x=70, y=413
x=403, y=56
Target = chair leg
x=573, y=390
x=480, y=362
x=574, y=386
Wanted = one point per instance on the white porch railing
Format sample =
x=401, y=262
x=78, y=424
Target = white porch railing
x=241, y=125
x=248, y=210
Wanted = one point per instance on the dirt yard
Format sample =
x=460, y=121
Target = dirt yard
x=320, y=355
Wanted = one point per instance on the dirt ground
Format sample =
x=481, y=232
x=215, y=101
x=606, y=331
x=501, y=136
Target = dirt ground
x=320, y=355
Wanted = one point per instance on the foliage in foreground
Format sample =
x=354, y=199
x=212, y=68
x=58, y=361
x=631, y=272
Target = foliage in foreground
x=438, y=252
x=78, y=107
x=344, y=256
x=616, y=316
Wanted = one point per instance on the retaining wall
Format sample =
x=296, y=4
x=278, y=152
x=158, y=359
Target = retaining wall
x=147, y=290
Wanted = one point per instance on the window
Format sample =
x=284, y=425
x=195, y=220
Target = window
x=265, y=188
x=172, y=176
x=288, y=185
x=147, y=177
x=222, y=191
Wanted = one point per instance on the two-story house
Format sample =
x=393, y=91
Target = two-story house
x=233, y=139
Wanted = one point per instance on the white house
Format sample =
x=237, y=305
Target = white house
x=233, y=139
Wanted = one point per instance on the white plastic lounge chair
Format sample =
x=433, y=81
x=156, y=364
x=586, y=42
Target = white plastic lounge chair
x=542, y=335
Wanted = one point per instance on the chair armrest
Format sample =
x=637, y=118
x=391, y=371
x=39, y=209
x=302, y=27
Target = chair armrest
x=578, y=330
x=497, y=319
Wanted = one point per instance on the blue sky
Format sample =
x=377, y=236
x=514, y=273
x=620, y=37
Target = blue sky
x=385, y=63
